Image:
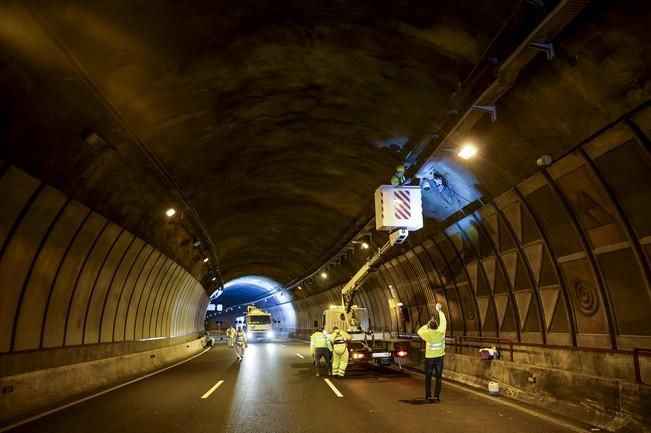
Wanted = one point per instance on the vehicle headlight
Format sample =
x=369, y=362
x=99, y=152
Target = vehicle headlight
x=270, y=334
x=249, y=335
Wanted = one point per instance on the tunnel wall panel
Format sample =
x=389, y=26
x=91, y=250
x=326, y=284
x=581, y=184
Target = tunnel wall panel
x=136, y=294
x=19, y=255
x=168, y=318
x=107, y=324
x=122, y=311
x=99, y=293
x=157, y=283
x=55, y=323
x=71, y=279
x=37, y=292
x=154, y=329
x=86, y=283
x=139, y=301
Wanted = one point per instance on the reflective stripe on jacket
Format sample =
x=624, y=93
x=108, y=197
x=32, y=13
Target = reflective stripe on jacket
x=339, y=339
x=319, y=340
x=434, y=338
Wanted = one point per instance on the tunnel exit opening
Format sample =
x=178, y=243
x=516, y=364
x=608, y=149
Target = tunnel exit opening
x=229, y=306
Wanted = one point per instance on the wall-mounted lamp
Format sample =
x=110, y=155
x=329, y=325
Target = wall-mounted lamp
x=205, y=260
x=467, y=151
x=170, y=212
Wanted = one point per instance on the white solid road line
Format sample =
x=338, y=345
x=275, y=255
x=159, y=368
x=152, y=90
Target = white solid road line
x=300, y=356
x=81, y=400
x=333, y=388
x=211, y=390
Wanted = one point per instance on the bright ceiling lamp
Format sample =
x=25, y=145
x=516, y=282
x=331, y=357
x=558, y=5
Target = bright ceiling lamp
x=324, y=275
x=467, y=151
x=365, y=245
x=170, y=212
x=206, y=260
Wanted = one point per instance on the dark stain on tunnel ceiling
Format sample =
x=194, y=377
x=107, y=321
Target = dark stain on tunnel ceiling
x=277, y=119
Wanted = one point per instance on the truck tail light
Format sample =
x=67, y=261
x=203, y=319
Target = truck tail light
x=358, y=355
x=402, y=353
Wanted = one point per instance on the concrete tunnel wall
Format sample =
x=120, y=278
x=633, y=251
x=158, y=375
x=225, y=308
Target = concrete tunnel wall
x=76, y=287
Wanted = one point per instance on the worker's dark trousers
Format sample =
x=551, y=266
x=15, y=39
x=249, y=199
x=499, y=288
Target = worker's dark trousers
x=321, y=352
x=433, y=365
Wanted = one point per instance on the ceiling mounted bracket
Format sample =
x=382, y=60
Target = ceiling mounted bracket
x=547, y=47
x=487, y=109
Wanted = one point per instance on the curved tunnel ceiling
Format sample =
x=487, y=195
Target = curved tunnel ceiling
x=275, y=120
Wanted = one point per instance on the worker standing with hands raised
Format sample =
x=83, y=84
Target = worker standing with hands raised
x=434, y=335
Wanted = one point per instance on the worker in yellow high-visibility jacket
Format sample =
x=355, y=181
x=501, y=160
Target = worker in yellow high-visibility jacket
x=321, y=348
x=434, y=335
x=339, y=339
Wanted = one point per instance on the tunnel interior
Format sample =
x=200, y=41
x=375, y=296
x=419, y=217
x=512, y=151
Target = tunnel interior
x=160, y=160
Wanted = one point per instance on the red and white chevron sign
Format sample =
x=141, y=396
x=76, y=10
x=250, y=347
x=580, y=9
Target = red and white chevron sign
x=398, y=207
x=401, y=205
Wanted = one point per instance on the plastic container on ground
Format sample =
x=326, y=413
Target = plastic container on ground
x=493, y=388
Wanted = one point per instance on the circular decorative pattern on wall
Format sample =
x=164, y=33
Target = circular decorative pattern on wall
x=587, y=299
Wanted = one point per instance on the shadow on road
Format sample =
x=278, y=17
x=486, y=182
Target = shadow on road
x=415, y=401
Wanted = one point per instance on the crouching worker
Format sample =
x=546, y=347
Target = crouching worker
x=340, y=341
x=321, y=348
x=434, y=335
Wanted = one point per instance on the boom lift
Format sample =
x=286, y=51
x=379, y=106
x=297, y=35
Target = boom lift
x=394, y=209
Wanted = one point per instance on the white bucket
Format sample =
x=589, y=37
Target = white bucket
x=493, y=388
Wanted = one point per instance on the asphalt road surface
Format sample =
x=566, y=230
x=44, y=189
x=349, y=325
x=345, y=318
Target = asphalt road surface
x=274, y=390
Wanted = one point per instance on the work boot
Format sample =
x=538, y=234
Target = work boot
x=436, y=400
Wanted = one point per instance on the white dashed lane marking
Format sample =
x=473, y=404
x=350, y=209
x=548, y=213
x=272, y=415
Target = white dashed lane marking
x=333, y=388
x=211, y=390
x=300, y=356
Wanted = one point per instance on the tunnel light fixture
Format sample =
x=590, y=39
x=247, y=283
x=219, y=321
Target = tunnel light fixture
x=365, y=245
x=300, y=288
x=324, y=275
x=467, y=151
x=400, y=304
x=213, y=279
x=206, y=259
x=170, y=212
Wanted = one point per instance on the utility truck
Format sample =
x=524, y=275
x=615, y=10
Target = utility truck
x=259, y=325
x=398, y=210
